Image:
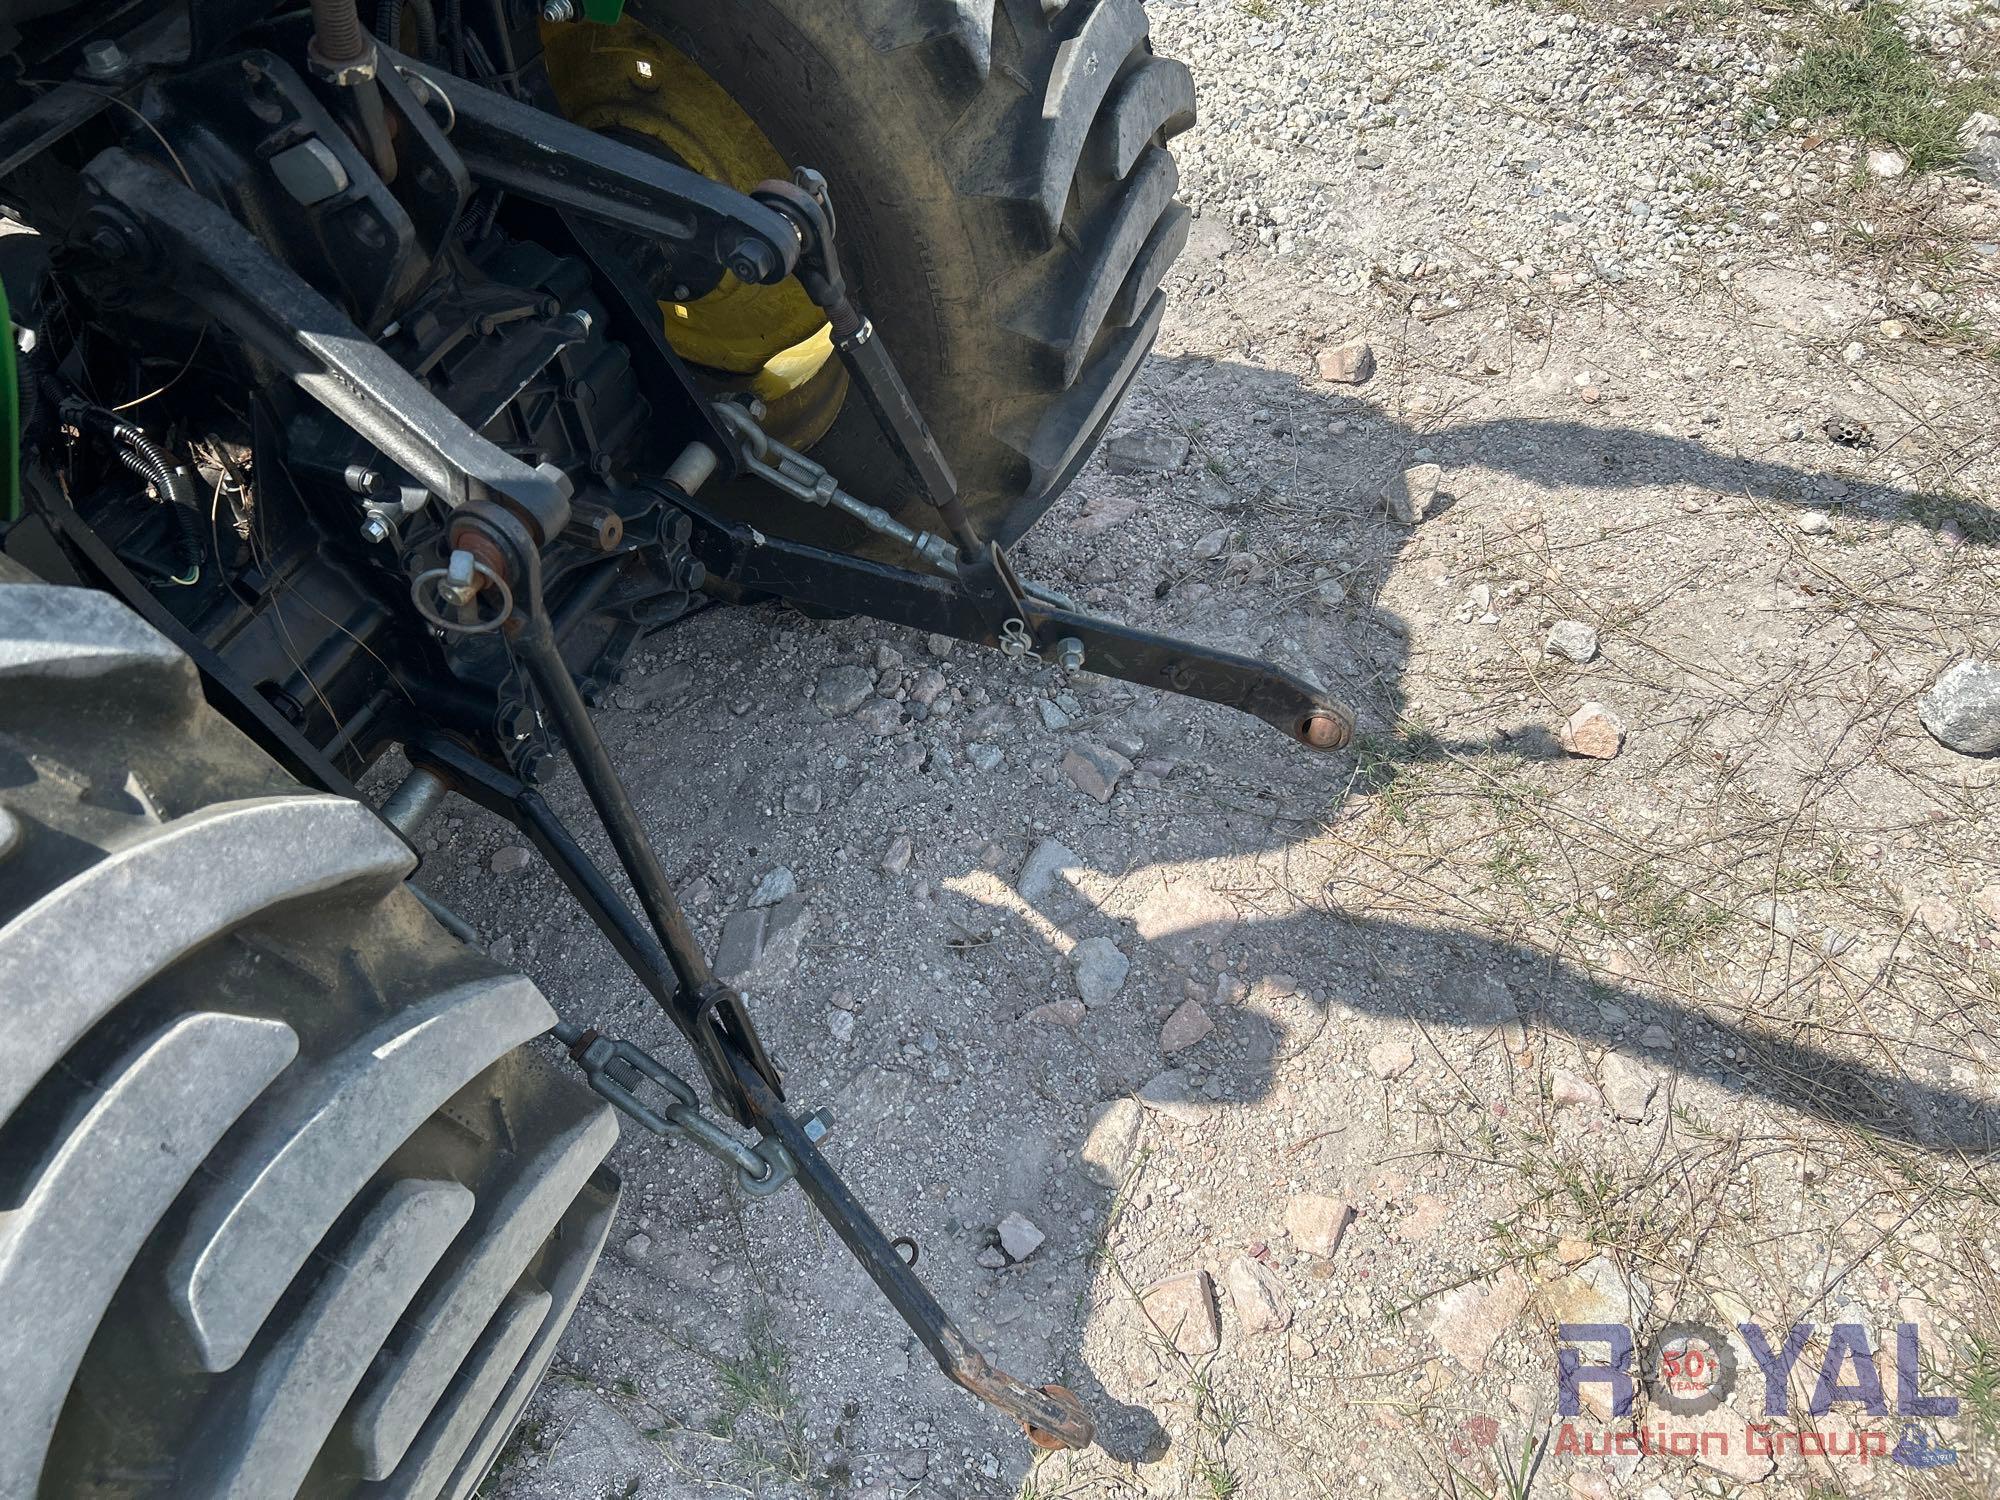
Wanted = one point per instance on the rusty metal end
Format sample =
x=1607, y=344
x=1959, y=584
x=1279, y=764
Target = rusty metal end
x=1325, y=731
x=1055, y=1442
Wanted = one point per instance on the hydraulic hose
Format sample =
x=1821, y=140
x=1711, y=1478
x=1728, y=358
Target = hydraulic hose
x=389, y=25
x=175, y=485
x=172, y=480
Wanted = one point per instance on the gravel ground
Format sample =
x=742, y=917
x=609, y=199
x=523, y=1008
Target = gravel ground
x=1284, y=1106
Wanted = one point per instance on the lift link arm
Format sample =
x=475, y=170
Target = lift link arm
x=1053, y=1416
x=546, y=159
x=744, y=561
x=806, y=204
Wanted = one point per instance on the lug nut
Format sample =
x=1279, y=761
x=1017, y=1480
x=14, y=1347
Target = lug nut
x=1069, y=653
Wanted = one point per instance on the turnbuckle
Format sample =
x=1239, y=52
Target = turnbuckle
x=616, y=1069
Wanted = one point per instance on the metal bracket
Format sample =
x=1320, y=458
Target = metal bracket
x=147, y=221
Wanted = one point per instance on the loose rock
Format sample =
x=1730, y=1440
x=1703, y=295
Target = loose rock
x=510, y=860
x=1816, y=523
x=1183, y=1308
x=1628, y=1084
x=896, y=858
x=1186, y=1026
x=1258, y=1295
x=741, y=941
x=1598, y=1292
x=1352, y=363
x=841, y=690
x=1594, y=732
x=1409, y=496
x=1469, y=1320
x=1171, y=1095
x=776, y=885
x=1886, y=166
x=1210, y=546
x=883, y=716
x=1571, y=639
x=1020, y=1237
x=1979, y=139
x=1145, y=450
x=1316, y=1222
x=1095, y=769
x=1962, y=708
x=1568, y=1090
x=1099, y=969
x=1114, y=1131
x=1389, y=1060
x=1049, y=863
x=807, y=797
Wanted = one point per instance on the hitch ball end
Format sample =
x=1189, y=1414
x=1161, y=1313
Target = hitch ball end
x=1324, y=731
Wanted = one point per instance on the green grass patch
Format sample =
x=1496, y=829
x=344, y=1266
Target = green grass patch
x=1860, y=72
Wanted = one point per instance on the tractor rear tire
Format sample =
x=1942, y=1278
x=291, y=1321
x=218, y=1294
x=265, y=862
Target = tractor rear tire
x=291, y=1207
x=1005, y=206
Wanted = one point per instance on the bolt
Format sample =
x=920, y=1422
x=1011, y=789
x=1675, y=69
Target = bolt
x=817, y=1124
x=558, y=10
x=375, y=529
x=516, y=721
x=1069, y=653
x=752, y=261
x=681, y=291
x=582, y=320
x=461, y=583
x=103, y=58
x=109, y=243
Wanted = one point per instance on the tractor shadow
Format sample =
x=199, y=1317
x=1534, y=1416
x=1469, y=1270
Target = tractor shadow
x=1279, y=985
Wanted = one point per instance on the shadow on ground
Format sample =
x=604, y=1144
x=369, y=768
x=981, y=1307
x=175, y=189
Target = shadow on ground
x=1442, y=982
x=1302, y=972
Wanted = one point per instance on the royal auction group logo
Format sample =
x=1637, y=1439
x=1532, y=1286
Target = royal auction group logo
x=1688, y=1371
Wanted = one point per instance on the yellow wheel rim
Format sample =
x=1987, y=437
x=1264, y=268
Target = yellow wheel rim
x=769, y=340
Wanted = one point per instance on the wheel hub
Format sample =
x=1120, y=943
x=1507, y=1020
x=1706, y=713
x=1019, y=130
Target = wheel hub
x=770, y=341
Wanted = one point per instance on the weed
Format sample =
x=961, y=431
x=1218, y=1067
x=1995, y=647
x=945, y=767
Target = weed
x=1258, y=10
x=1861, y=72
x=1676, y=921
x=1979, y=1405
x=1218, y=1480
x=1389, y=767
x=1517, y=1476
